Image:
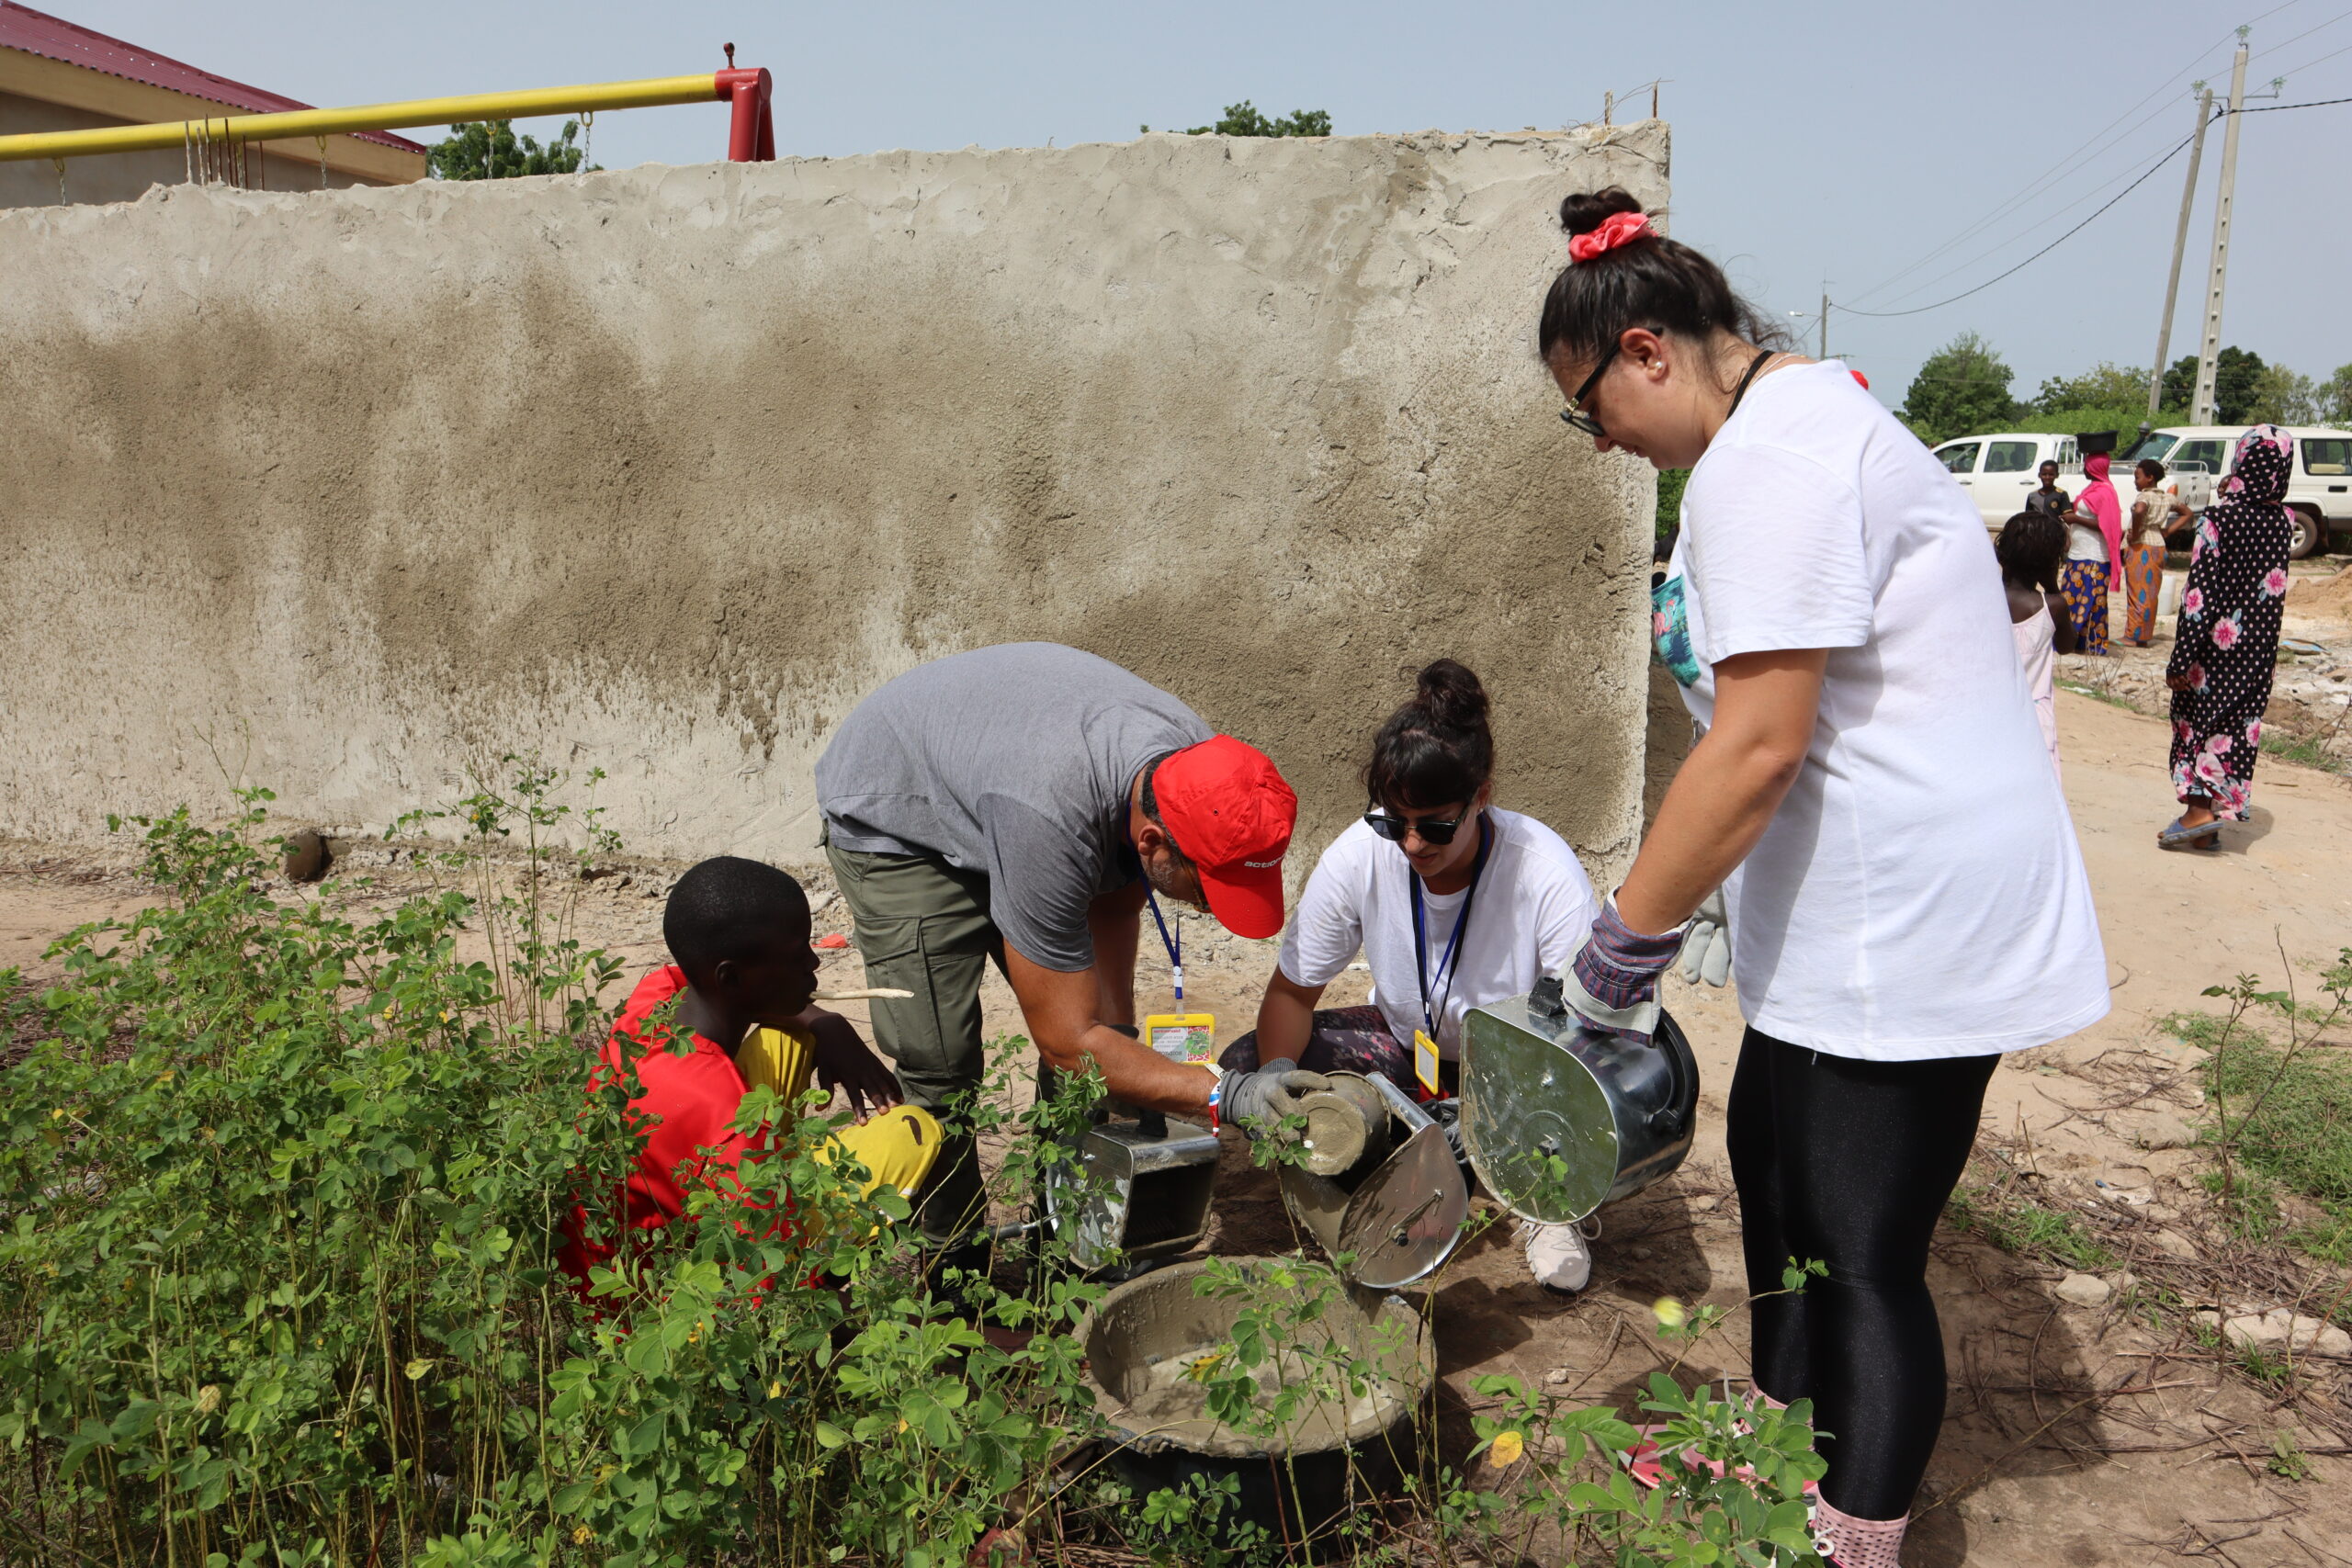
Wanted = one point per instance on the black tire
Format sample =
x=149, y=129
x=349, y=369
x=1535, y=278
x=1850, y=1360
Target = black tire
x=2310, y=535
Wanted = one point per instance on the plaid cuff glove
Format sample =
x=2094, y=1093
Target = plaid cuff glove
x=1619, y=966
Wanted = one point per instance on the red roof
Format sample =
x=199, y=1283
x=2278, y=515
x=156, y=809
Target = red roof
x=53, y=38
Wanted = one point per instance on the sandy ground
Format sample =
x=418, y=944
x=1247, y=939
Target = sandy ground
x=2074, y=1436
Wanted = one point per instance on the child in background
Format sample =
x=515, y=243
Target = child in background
x=2031, y=549
x=2153, y=506
x=744, y=987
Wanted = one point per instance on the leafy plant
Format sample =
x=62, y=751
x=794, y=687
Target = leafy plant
x=285, y=1188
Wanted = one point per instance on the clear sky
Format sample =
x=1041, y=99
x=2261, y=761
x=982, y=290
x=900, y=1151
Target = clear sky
x=1903, y=153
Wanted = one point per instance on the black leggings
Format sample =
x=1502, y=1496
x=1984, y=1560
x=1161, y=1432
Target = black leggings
x=1850, y=1162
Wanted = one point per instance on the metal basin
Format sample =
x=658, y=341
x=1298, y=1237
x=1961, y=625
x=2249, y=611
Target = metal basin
x=1342, y=1448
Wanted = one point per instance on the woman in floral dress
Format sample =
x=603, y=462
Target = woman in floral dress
x=2227, y=642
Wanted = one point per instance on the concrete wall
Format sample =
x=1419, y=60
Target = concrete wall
x=659, y=470
x=119, y=177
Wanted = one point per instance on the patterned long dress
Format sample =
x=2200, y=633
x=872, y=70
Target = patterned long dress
x=2227, y=642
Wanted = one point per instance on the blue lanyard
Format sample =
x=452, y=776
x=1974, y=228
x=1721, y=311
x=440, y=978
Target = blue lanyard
x=1446, y=967
x=1174, y=944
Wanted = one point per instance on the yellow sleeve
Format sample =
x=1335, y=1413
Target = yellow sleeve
x=784, y=1060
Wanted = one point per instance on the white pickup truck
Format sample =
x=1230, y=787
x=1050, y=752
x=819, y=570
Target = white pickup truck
x=1998, y=469
x=2319, y=487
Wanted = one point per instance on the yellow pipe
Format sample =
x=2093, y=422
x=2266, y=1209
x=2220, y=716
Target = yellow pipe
x=653, y=90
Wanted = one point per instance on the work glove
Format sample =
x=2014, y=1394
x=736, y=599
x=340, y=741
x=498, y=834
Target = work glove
x=1706, y=952
x=1613, y=980
x=1260, y=1102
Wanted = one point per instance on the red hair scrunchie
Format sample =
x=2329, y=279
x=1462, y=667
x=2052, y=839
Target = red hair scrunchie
x=1617, y=228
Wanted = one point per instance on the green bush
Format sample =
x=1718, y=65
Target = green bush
x=283, y=1191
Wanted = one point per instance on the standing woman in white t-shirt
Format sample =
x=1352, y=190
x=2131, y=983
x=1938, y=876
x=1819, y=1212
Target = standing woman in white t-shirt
x=1872, y=792
x=1453, y=902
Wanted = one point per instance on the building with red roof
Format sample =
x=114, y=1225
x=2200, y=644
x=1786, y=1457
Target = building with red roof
x=55, y=75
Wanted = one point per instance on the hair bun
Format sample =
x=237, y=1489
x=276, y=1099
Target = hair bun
x=1452, y=695
x=1587, y=211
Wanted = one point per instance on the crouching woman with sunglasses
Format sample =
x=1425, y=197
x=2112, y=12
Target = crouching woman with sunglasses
x=1453, y=903
x=1874, y=797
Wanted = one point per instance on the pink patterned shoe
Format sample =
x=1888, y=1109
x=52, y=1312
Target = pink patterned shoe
x=1845, y=1541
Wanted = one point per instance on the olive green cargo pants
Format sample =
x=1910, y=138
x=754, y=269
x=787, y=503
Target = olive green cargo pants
x=922, y=925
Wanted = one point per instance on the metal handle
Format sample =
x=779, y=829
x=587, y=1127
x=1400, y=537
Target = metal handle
x=1667, y=1119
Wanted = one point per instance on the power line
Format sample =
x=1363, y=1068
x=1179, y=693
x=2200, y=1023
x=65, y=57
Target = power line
x=2038, y=223
x=2045, y=250
x=2118, y=196
x=2097, y=142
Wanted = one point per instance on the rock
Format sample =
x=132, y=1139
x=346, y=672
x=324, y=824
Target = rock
x=306, y=855
x=1640, y=1254
x=2316, y=1337
x=1559, y=1377
x=2157, y=1130
x=1707, y=1204
x=2085, y=1290
x=2279, y=1332
x=2172, y=1244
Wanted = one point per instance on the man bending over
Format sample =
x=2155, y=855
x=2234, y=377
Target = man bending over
x=1013, y=804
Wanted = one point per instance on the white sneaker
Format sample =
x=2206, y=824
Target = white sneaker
x=1558, y=1256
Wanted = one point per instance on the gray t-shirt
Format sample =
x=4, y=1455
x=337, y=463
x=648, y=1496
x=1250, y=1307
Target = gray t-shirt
x=1013, y=762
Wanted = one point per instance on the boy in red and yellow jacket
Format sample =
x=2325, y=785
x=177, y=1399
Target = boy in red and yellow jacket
x=744, y=983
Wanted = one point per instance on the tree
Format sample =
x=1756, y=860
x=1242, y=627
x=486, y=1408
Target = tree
x=1963, y=386
x=2332, y=398
x=2234, y=373
x=2105, y=384
x=489, y=150
x=2284, y=397
x=1245, y=118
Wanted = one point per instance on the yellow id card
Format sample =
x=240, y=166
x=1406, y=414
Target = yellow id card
x=1425, y=1059
x=1181, y=1036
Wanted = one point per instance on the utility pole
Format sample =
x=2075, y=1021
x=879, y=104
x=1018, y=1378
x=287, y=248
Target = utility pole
x=2179, y=248
x=1825, y=322
x=2201, y=408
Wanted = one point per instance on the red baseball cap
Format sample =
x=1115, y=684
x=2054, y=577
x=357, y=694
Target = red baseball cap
x=1230, y=812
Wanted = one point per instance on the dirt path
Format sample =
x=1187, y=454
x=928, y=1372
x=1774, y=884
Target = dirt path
x=2075, y=1436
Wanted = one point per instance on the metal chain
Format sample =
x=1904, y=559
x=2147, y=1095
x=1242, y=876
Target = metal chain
x=60, y=180
x=323, y=162
x=588, y=141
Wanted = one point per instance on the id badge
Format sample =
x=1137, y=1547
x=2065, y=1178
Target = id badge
x=1425, y=1059
x=1183, y=1036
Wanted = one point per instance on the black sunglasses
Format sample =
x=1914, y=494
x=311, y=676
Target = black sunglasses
x=1573, y=415
x=1394, y=828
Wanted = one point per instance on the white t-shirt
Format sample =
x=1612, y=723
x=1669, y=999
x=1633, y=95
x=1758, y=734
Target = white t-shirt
x=1534, y=906
x=1921, y=892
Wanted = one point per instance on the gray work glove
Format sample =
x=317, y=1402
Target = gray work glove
x=1260, y=1102
x=1706, y=952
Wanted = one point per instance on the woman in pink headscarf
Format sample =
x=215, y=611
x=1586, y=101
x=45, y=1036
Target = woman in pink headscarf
x=2094, y=555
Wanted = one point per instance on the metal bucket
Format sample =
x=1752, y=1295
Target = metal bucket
x=1540, y=1084
x=1141, y=1191
x=1400, y=1216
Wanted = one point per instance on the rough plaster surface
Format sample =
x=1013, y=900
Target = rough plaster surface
x=659, y=470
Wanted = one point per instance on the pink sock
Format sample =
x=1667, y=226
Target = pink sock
x=1849, y=1542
